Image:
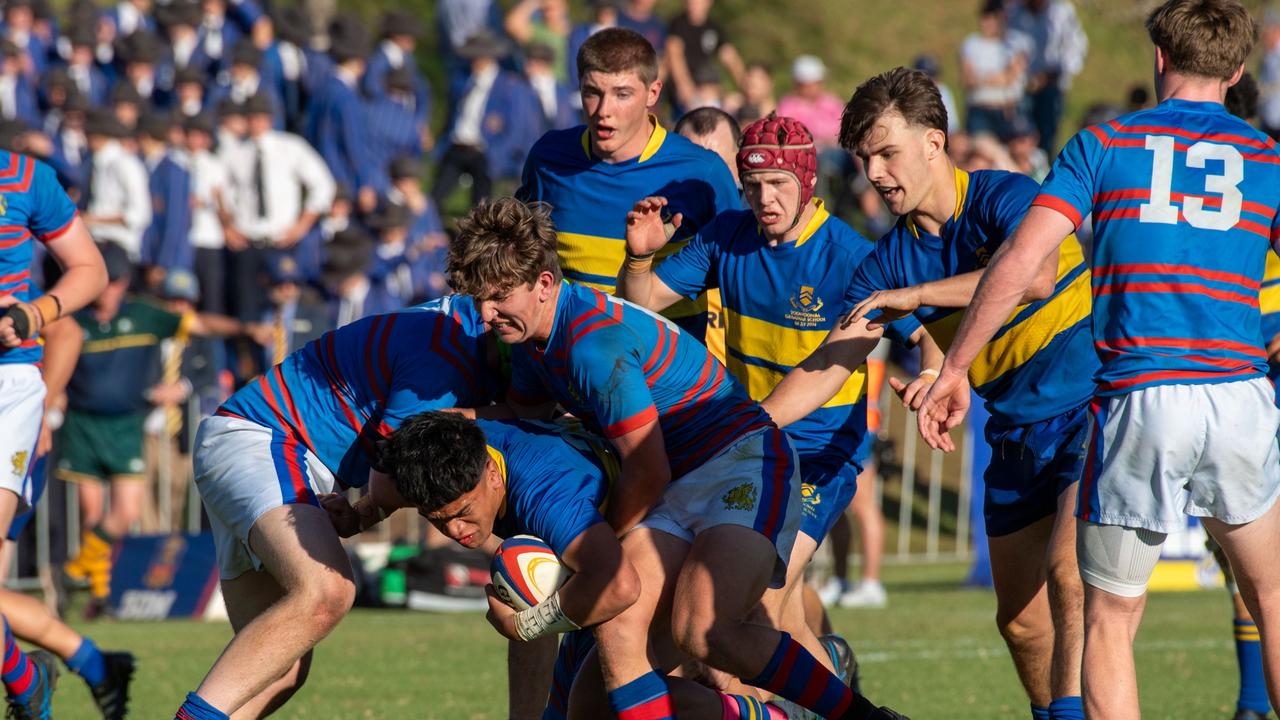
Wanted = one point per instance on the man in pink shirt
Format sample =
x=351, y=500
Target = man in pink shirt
x=812, y=104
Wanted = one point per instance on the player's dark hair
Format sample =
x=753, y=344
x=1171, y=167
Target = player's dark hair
x=1242, y=98
x=434, y=458
x=501, y=245
x=1207, y=38
x=705, y=120
x=910, y=93
x=617, y=50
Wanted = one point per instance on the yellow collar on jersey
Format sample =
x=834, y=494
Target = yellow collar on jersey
x=656, y=138
x=962, y=190
x=501, y=462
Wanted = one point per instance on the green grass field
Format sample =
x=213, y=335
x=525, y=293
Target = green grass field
x=934, y=653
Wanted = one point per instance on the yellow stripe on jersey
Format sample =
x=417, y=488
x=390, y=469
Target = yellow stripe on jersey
x=1269, y=298
x=778, y=345
x=820, y=216
x=602, y=257
x=119, y=342
x=1020, y=343
x=962, y=190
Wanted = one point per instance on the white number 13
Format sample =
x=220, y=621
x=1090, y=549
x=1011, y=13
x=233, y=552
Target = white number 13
x=1226, y=185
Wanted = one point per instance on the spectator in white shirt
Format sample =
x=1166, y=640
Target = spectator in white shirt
x=1058, y=47
x=993, y=62
x=210, y=192
x=118, y=199
x=271, y=172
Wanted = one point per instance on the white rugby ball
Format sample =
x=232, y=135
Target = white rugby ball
x=526, y=571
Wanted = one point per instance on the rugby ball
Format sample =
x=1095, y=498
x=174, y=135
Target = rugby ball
x=526, y=571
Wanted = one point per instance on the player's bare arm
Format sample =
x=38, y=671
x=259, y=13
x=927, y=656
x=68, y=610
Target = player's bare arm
x=647, y=233
x=646, y=472
x=1013, y=269
x=912, y=393
x=84, y=278
x=821, y=375
x=956, y=291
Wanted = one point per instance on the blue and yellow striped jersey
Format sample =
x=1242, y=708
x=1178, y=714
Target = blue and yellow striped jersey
x=1041, y=362
x=590, y=198
x=1269, y=304
x=779, y=304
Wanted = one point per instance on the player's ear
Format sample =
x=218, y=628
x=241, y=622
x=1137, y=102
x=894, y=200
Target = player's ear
x=935, y=142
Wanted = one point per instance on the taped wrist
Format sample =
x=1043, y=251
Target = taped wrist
x=639, y=264
x=543, y=619
x=26, y=321
x=50, y=308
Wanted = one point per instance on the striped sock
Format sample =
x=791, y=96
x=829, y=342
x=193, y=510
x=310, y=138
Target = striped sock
x=19, y=674
x=796, y=675
x=745, y=707
x=1253, y=683
x=1039, y=713
x=88, y=663
x=644, y=698
x=1070, y=707
x=195, y=708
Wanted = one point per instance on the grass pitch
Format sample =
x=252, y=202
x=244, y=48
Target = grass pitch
x=933, y=653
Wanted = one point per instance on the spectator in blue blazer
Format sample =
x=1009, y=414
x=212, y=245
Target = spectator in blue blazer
x=245, y=80
x=336, y=120
x=395, y=52
x=394, y=127
x=558, y=102
x=82, y=67
x=165, y=243
x=17, y=90
x=19, y=27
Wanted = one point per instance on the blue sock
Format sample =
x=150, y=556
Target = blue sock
x=1039, y=713
x=195, y=708
x=1067, y=708
x=88, y=663
x=644, y=698
x=1253, y=684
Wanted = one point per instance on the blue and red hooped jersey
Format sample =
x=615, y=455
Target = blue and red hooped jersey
x=33, y=206
x=351, y=387
x=1184, y=199
x=618, y=367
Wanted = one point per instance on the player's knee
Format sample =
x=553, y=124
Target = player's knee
x=697, y=632
x=1066, y=588
x=1022, y=628
x=328, y=599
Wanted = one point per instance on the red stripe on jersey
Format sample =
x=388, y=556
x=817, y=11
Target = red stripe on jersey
x=439, y=334
x=1211, y=201
x=55, y=234
x=24, y=183
x=11, y=171
x=1124, y=194
x=294, y=417
x=657, y=353
x=452, y=342
x=1174, y=269
x=1060, y=205
x=1255, y=228
x=1128, y=213
x=1176, y=288
x=16, y=277
x=1158, y=375
x=588, y=316
x=635, y=422
x=1192, y=343
x=701, y=389
x=7, y=243
x=1141, y=144
x=668, y=354
x=292, y=459
x=1232, y=138
x=1098, y=133
x=371, y=371
x=336, y=385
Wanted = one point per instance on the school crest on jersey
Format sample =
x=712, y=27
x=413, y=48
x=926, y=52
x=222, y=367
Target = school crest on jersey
x=4, y=204
x=19, y=461
x=806, y=308
x=742, y=497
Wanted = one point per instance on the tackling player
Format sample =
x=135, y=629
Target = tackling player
x=783, y=269
x=591, y=175
x=706, y=496
x=1035, y=378
x=34, y=207
x=307, y=427
x=1184, y=200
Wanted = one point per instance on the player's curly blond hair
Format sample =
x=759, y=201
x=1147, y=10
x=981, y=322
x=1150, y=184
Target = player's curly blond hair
x=500, y=245
x=1206, y=38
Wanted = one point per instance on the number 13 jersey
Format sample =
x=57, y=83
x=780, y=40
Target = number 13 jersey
x=1184, y=200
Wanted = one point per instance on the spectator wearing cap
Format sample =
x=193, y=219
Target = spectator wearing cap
x=496, y=123
x=993, y=63
x=560, y=105
x=295, y=316
x=819, y=110
x=928, y=65
x=426, y=232
x=17, y=90
x=399, y=39
x=345, y=275
x=130, y=16
x=188, y=92
x=457, y=21
x=271, y=173
x=696, y=47
x=245, y=80
x=394, y=127
x=128, y=106
x=1058, y=46
x=217, y=34
x=542, y=21
x=143, y=53
x=117, y=198
x=604, y=14
x=70, y=146
x=180, y=20
x=19, y=29
x=336, y=121
x=83, y=70
x=210, y=195
x=55, y=89
x=166, y=244
x=398, y=274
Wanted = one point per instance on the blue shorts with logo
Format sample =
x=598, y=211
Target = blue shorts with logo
x=824, y=495
x=1030, y=466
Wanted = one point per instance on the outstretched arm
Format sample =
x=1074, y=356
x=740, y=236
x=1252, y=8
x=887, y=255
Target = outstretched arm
x=821, y=375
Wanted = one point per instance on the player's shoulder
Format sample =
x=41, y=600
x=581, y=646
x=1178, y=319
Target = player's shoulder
x=844, y=241
x=560, y=147
x=991, y=183
x=728, y=226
